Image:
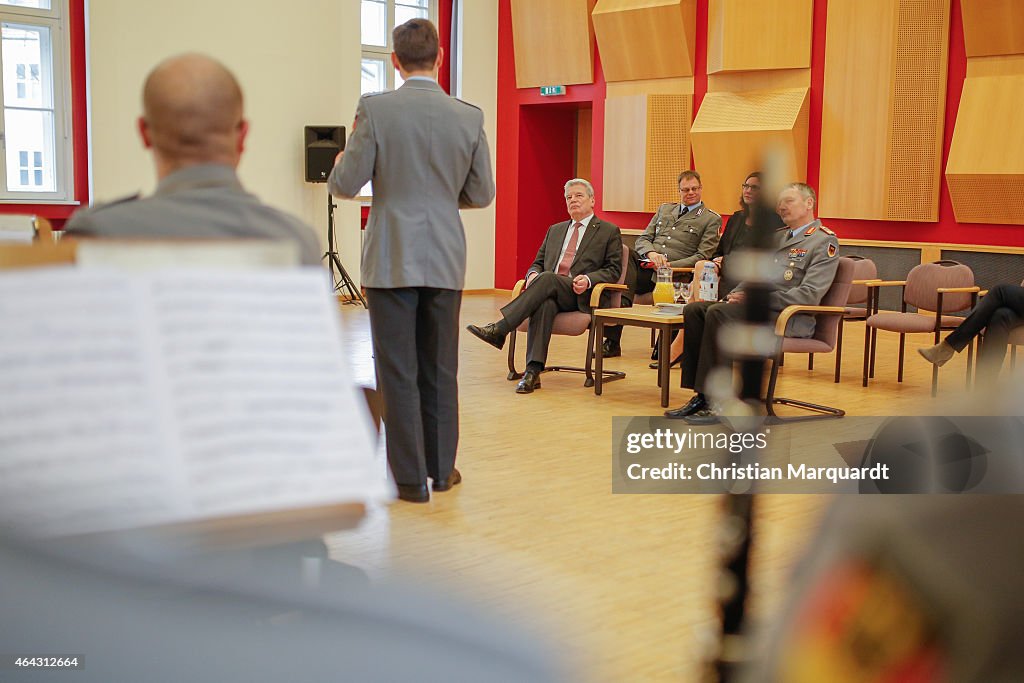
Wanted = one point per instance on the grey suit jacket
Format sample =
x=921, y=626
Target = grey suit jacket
x=201, y=201
x=599, y=255
x=427, y=155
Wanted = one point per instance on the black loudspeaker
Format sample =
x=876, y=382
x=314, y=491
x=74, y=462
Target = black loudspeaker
x=322, y=144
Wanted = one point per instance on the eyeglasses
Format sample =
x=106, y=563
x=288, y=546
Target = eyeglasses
x=688, y=190
x=748, y=186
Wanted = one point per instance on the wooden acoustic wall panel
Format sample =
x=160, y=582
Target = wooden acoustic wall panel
x=625, y=139
x=913, y=168
x=993, y=27
x=667, y=147
x=553, y=41
x=733, y=132
x=985, y=170
x=646, y=145
x=883, y=109
x=757, y=35
x=643, y=39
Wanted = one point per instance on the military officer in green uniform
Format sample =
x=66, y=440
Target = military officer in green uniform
x=679, y=235
x=805, y=266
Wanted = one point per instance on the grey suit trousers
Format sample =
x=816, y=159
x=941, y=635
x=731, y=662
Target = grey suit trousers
x=416, y=349
x=548, y=295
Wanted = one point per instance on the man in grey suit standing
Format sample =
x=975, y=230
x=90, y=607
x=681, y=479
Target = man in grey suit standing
x=427, y=155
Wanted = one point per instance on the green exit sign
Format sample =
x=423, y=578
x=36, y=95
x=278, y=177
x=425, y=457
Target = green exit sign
x=550, y=90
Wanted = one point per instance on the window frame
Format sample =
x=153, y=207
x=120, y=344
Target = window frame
x=383, y=52
x=58, y=20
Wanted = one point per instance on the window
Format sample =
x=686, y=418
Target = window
x=379, y=17
x=36, y=163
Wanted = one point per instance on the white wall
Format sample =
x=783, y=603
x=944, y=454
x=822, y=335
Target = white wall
x=298, y=64
x=479, y=85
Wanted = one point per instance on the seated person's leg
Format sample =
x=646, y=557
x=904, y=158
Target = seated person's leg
x=541, y=288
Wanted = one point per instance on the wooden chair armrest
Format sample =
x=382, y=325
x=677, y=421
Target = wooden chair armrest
x=886, y=283
x=518, y=288
x=983, y=292
x=682, y=270
x=789, y=311
x=599, y=289
x=865, y=282
x=957, y=290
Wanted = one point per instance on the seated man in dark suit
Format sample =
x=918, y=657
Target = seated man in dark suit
x=575, y=255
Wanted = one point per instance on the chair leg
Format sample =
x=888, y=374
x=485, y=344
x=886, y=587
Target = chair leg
x=810, y=361
x=513, y=374
x=903, y=343
x=874, y=347
x=782, y=361
x=770, y=401
x=1013, y=356
x=589, y=381
x=867, y=353
x=839, y=350
x=970, y=363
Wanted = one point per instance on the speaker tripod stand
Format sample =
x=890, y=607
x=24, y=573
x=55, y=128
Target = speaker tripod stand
x=339, y=276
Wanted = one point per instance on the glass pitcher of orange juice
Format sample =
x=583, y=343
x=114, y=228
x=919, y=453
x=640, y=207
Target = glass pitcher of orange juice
x=663, y=292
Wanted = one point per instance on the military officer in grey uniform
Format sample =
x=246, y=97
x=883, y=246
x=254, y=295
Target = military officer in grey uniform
x=427, y=155
x=806, y=262
x=679, y=235
x=194, y=124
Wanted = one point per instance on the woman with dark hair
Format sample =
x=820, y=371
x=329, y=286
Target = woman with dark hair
x=737, y=235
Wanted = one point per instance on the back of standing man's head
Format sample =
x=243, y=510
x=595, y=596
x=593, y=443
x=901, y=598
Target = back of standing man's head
x=192, y=112
x=416, y=44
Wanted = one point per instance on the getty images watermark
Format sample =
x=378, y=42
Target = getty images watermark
x=851, y=455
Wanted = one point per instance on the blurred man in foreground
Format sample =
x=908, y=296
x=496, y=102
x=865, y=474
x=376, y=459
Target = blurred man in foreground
x=193, y=122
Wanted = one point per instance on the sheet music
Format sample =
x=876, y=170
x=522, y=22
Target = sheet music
x=128, y=400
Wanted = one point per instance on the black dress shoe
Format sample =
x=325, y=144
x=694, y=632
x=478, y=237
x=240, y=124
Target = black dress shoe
x=696, y=404
x=611, y=349
x=677, y=361
x=529, y=382
x=414, y=493
x=444, y=484
x=488, y=333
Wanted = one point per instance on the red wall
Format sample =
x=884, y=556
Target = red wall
x=57, y=214
x=530, y=154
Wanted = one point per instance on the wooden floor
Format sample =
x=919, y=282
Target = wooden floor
x=623, y=584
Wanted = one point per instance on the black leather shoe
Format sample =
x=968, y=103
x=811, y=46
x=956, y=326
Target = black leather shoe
x=677, y=361
x=443, y=485
x=696, y=404
x=529, y=382
x=611, y=348
x=488, y=333
x=414, y=493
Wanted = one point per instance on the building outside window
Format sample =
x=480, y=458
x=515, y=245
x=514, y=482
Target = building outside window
x=36, y=163
x=379, y=17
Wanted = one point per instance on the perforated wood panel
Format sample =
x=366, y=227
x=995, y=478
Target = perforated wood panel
x=733, y=132
x=554, y=42
x=987, y=198
x=642, y=39
x=668, y=147
x=883, y=108
x=918, y=111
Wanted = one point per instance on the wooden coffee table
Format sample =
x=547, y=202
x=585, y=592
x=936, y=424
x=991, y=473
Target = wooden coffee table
x=638, y=316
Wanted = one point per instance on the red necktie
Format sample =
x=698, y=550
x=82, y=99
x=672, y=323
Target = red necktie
x=570, y=250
